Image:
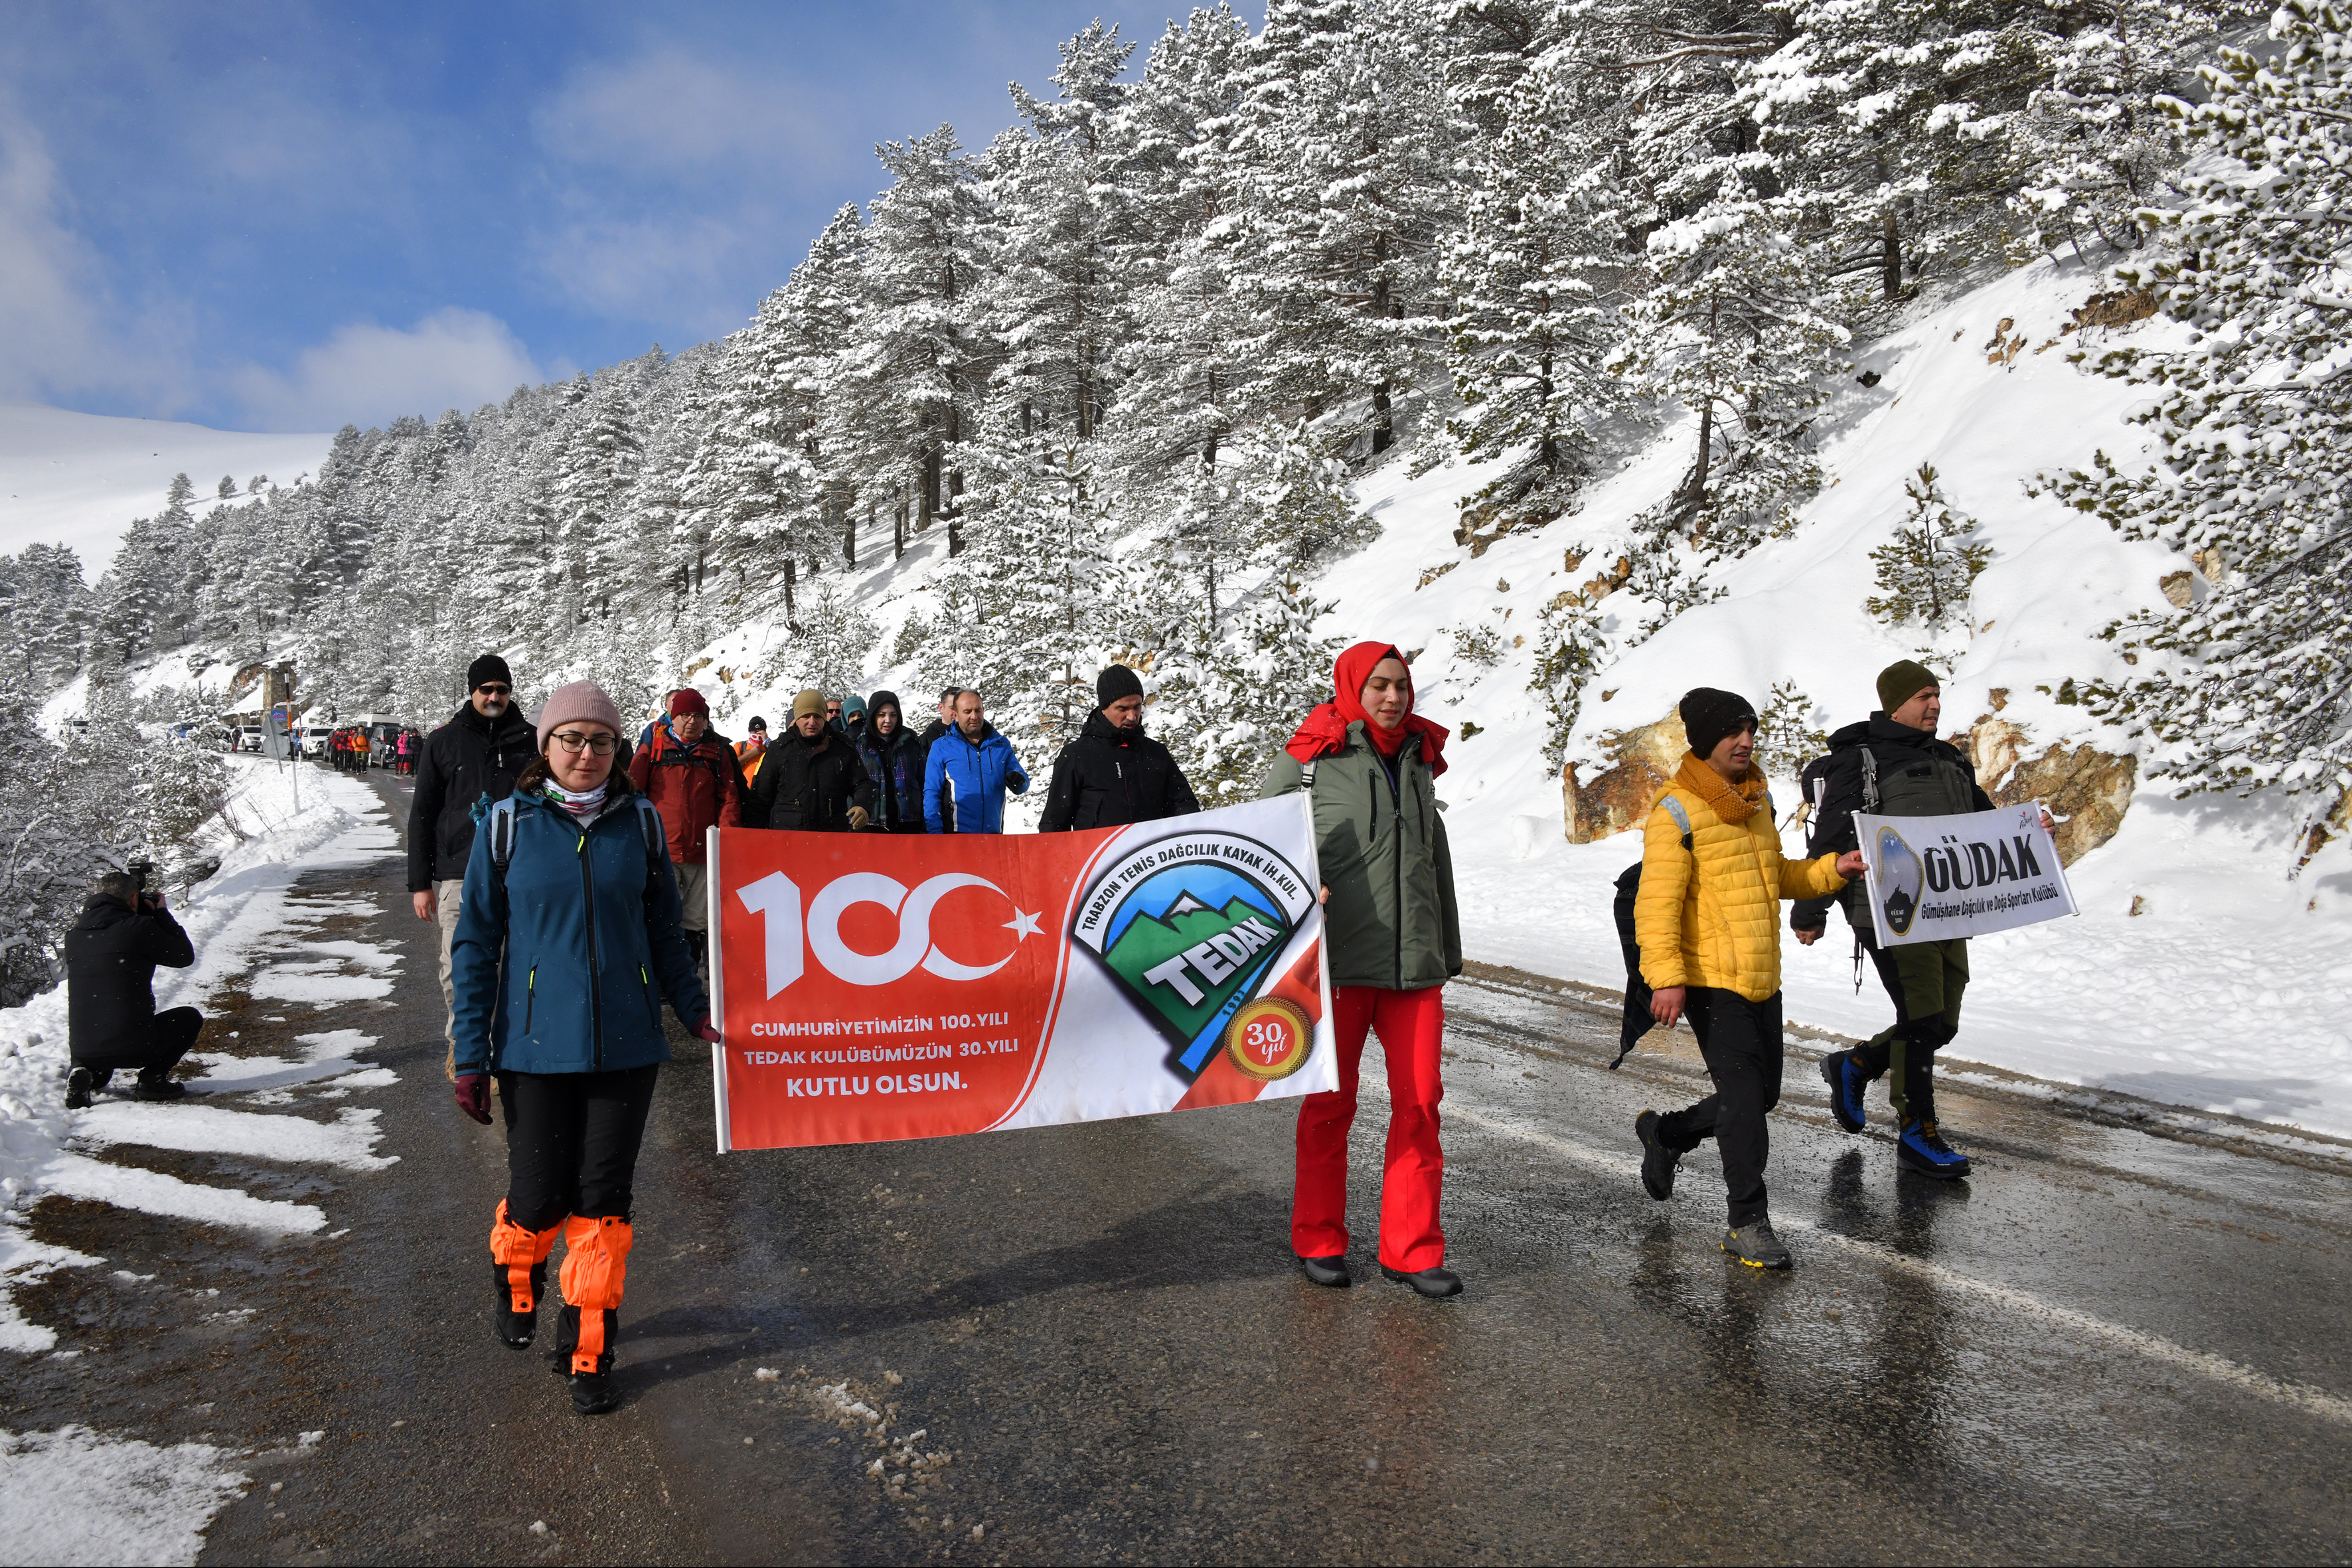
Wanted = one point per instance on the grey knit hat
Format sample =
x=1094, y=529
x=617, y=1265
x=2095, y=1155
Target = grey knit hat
x=582, y=700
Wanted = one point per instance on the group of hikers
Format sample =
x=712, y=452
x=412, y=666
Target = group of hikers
x=566, y=870
x=354, y=748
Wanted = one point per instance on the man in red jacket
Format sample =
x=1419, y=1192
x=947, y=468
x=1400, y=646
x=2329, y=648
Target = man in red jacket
x=694, y=781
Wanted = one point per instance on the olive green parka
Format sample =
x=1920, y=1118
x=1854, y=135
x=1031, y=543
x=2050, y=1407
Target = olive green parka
x=1392, y=921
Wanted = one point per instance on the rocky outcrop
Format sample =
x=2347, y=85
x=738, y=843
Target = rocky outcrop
x=2087, y=789
x=1641, y=761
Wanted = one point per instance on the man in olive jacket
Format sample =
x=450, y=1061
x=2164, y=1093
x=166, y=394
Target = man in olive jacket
x=1393, y=938
x=1892, y=765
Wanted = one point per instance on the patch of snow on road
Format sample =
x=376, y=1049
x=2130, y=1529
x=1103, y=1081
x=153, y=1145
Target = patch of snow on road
x=209, y=1129
x=153, y=1192
x=78, y=1496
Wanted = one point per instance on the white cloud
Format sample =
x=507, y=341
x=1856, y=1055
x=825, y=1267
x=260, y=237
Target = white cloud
x=367, y=375
x=668, y=112
x=60, y=331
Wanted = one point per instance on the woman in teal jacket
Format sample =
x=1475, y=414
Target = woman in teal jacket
x=568, y=939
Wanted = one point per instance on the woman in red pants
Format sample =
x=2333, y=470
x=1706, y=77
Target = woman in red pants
x=1393, y=938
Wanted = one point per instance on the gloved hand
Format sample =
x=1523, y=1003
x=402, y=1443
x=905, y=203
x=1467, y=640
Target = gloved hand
x=858, y=817
x=708, y=1030
x=472, y=1091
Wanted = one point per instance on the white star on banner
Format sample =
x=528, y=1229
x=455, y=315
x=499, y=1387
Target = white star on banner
x=1021, y=925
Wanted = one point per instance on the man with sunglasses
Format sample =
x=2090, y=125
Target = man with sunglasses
x=475, y=754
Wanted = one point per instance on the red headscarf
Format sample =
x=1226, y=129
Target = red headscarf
x=1326, y=729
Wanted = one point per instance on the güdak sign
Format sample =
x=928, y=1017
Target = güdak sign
x=1935, y=879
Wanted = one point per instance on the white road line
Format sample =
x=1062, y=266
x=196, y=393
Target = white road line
x=2024, y=1303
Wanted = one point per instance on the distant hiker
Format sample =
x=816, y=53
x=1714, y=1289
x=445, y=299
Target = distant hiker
x=894, y=761
x=1892, y=765
x=750, y=749
x=812, y=781
x=568, y=943
x=692, y=780
x=1393, y=938
x=967, y=772
x=937, y=730
x=939, y=727
x=112, y=952
x=1708, y=920
x=1113, y=773
x=833, y=716
x=476, y=754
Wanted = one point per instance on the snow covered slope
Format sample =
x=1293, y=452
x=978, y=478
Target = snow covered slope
x=2230, y=990
x=79, y=479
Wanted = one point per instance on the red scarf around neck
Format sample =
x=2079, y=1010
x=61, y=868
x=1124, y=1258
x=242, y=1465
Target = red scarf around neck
x=1326, y=729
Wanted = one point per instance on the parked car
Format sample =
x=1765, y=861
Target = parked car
x=249, y=737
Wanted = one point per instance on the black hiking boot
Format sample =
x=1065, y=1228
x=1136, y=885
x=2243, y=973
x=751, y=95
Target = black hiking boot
x=516, y=1330
x=1658, y=1162
x=158, y=1088
x=1331, y=1271
x=1434, y=1283
x=592, y=1393
x=1756, y=1245
x=1918, y=1148
x=79, y=1086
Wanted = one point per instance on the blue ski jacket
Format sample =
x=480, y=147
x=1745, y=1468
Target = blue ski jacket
x=974, y=776
x=585, y=918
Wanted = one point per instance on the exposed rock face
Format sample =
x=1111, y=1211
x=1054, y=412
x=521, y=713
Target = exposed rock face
x=1641, y=762
x=2088, y=789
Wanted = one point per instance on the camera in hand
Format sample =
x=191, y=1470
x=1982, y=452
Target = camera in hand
x=139, y=871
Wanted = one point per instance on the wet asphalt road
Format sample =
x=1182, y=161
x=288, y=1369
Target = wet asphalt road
x=2109, y=1346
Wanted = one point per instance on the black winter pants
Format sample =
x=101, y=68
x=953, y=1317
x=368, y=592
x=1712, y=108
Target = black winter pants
x=1740, y=1041
x=169, y=1037
x=572, y=1142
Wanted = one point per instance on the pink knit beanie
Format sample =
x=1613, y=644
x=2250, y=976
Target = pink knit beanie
x=582, y=700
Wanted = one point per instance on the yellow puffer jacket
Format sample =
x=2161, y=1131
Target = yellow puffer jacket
x=1710, y=915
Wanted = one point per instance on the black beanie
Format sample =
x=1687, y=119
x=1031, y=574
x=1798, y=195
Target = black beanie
x=1709, y=715
x=1115, y=683
x=489, y=666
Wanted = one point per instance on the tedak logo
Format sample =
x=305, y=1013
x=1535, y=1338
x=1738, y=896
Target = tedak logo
x=1190, y=926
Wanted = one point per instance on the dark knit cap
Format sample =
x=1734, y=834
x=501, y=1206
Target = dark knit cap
x=757, y=725
x=1709, y=715
x=1115, y=684
x=488, y=668
x=1901, y=681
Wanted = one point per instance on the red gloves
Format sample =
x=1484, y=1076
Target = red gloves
x=472, y=1091
x=708, y=1030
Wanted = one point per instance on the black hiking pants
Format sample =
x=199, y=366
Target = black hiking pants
x=572, y=1142
x=1740, y=1041
x=1925, y=980
x=169, y=1036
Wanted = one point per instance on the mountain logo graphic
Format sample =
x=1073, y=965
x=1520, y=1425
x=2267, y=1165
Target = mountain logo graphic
x=1901, y=877
x=1191, y=927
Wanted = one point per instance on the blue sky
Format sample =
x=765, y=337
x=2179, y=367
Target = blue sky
x=282, y=217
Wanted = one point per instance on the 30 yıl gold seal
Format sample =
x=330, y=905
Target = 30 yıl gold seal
x=1270, y=1037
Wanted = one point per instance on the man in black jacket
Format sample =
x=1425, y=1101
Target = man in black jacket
x=1113, y=773
x=110, y=1018
x=476, y=754
x=812, y=780
x=1892, y=765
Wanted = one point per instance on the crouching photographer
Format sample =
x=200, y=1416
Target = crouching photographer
x=112, y=952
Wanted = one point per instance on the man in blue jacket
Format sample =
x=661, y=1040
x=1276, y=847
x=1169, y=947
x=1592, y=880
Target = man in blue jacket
x=967, y=773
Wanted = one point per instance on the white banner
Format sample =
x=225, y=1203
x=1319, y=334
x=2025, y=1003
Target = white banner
x=1934, y=878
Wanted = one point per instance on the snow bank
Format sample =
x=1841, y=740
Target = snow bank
x=78, y=1496
x=2227, y=991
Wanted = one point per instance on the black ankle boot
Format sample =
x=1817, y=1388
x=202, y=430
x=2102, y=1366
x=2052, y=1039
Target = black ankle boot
x=516, y=1330
x=1330, y=1271
x=1434, y=1283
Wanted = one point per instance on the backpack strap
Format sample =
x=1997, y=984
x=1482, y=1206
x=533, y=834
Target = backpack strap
x=649, y=824
x=1869, y=779
x=499, y=822
x=1682, y=818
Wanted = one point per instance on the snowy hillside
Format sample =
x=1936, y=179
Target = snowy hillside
x=78, y=480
